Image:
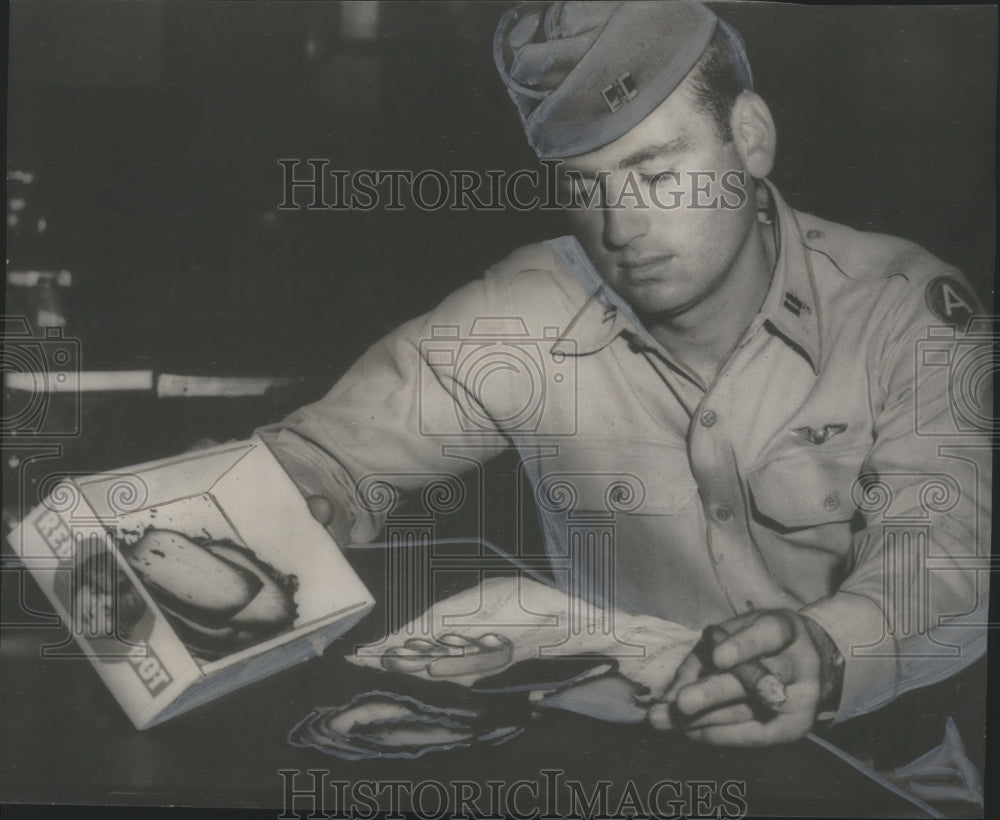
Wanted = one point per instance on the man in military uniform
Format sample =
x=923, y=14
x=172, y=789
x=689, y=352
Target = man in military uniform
x=737, y=382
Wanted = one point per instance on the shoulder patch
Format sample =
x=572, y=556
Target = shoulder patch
x=950, y=301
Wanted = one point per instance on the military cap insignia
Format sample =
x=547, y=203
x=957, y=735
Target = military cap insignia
x=620, y=91
x=950, y=301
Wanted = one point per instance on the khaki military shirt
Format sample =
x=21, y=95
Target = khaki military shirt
x=837, y=464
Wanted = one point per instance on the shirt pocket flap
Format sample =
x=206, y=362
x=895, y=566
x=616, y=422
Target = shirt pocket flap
x=806, y=489
x=617, y=477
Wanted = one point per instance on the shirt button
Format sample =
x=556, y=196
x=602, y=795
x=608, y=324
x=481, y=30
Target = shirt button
x=723, y=513
x=708, y=418
x=832, y=502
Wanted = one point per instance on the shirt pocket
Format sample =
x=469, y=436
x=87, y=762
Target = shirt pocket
x=613, y=476
x=807, y=489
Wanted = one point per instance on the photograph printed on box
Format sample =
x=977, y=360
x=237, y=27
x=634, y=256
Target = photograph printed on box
x=543, y=409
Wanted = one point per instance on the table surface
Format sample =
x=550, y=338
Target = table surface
x=65, y=739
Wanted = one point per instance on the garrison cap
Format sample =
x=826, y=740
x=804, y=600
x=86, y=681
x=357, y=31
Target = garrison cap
x=582, y=74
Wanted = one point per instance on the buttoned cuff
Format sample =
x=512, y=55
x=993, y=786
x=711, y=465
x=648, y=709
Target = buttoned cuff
x=856, y=624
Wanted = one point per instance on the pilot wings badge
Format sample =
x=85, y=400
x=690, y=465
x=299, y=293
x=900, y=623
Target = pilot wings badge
x=814, y=436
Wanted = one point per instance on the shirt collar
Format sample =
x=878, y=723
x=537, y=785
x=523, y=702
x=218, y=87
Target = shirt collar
x=791, y=307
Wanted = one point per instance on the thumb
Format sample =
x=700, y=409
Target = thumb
x=321, y=508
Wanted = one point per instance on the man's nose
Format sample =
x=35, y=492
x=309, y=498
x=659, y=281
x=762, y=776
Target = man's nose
x=625, y=219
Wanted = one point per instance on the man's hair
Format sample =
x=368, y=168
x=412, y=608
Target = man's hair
x=715, y=83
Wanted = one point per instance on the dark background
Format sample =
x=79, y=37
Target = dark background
x=155, y=128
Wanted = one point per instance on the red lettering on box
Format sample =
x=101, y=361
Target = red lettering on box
x=148, y=667
x=55, y=533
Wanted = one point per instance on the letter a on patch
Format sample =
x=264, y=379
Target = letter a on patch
x=950, y=301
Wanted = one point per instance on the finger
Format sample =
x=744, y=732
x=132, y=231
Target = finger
x=751, y=733
x=769, y=634
x=736, y=713
x=692, y=668
x=660, y=716
x=709, y=693
x=738, y=622
x=688, y=672
x=656, y=675
x=321, y=508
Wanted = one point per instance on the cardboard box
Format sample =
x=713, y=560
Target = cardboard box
x=154, y=569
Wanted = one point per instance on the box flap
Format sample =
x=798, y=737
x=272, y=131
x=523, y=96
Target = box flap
x=123, y=491
x=288, y=536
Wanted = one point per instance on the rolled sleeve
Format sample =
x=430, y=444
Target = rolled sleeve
x=316, y=472
x=388, y=419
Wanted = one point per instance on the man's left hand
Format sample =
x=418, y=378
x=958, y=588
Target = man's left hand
x=712, y=706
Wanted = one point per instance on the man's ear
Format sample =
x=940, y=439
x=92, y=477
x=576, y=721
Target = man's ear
x=754, y=134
